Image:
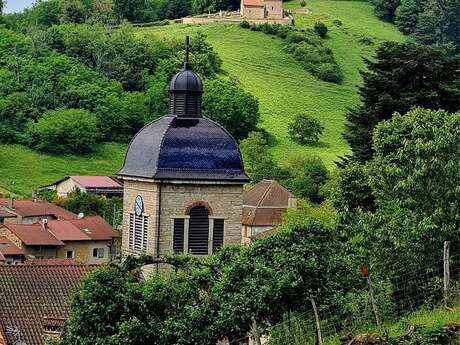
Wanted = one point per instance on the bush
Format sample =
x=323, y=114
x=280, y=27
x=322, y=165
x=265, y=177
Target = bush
x=63, y=131
x=302, y=3
x=245, y=24
x=305, y=129
x=321, y=29
x=329, y=72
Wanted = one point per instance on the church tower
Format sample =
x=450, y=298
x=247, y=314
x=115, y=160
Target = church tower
x=183, y=179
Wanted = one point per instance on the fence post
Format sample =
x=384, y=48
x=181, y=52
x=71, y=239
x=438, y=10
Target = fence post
x=446, y=273
x=255, y=331
x=317, y=321
x=373, y=302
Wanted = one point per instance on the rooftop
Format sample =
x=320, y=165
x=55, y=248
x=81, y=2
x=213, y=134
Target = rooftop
x=35, y=208
x=92, y=228
x=265, y=203
x=33, y=234
x=9, y=248
x=34, y=294
x=253, y=3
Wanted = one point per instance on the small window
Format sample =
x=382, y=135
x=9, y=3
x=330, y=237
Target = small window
x=98, y=253
x=70, y=254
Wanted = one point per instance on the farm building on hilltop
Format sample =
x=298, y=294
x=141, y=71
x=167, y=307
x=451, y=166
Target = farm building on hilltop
x=263, y=208
x=262, y=9
x=101, y=185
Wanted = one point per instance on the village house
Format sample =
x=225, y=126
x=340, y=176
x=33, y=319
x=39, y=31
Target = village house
x=100, y=185
x=90, y=240
x=34, y=299
x=183, y=180
x=262, y=9
x=263, y=208
x=31, y=211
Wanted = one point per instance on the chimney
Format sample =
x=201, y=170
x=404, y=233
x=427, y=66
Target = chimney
x=45, y=223
x=11, y=203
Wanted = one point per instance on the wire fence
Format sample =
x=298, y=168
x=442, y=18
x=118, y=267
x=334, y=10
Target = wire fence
x=372, y=307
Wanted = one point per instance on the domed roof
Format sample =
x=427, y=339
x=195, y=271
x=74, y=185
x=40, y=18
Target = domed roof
x=185, y=149
x=186, y=81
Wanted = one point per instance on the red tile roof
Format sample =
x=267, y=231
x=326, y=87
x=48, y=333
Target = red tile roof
x=265, y=203
x=33, y=234
x=2, y=337
x=31, y=208
x=7, y=214
x=9, y=248
x=34, y=294
x=89, y=228
x=96, y=181
x=254, y=3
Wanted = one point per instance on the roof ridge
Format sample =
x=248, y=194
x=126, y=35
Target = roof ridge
x=265, y=193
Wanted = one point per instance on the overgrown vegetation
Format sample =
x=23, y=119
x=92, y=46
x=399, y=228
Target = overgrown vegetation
x=305, y=129
x=305, y=46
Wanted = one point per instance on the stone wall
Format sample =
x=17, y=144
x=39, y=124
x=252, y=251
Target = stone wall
x=84, y=251
x=234, y=20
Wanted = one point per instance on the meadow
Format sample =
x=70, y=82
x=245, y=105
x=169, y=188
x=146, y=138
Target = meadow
x=258, y=61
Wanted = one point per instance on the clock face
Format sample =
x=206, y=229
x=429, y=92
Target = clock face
x=139, y=205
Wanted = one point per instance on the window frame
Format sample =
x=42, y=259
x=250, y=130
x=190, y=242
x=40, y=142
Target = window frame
x=144, y=226
x=98, y=251
x=67, y=254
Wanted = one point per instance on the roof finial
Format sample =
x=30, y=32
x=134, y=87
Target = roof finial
x=187, y=52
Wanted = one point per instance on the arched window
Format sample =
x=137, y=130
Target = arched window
x=198, y=232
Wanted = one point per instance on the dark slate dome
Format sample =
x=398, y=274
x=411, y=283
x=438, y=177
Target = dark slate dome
x=183, y=145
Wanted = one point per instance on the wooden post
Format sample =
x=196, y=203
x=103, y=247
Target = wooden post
x=255, y=331
x=373, y=302
x=446, y=273
x=317, y=321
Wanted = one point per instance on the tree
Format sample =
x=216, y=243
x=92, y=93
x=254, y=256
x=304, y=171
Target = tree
x=305, y=129
x=385, y=9
x=63, y=131
x=2, y=5
x=231, y=106
x=403, y=76
x=258, y=162
x=438, y=23
x=72, y=11
x=128, y=9
x=306, y=176
x=406, y=16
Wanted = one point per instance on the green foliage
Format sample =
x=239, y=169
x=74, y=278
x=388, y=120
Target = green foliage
x=63, y=131
x=258, y=162
x=306, y=176
x=206, y=299
x=389, y=86
x=303, y=3
x=438, y=23
x=385, y=9
x=228, y=104
x=407, y=15
x=321, y=29
x=72, y=11
x=305, y=129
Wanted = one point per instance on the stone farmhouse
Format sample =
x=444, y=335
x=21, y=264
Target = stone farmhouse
x=100, y=185
x=261, y=9
x=183, y=180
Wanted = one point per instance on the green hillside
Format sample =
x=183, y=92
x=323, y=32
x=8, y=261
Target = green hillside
x=282, y=86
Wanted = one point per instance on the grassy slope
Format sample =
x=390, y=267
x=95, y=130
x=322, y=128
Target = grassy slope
x=258, y=61
x=22, y=169
x=282, y=86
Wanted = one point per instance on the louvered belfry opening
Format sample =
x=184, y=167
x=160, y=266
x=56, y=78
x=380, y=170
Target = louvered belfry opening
x=185, y=90
x=198, y=232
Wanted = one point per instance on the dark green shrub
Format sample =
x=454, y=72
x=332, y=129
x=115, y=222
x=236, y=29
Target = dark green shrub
x=63, y=131
x=305, y=129
x=337, y=22
x=329, y=72
x=295, y=37
x=302, y=3
x=245, y=24
x=321, y=29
